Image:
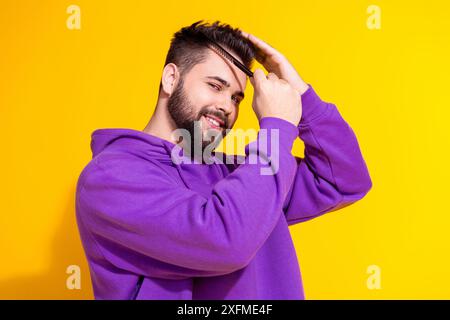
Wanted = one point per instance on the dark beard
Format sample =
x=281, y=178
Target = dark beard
x=183, y=115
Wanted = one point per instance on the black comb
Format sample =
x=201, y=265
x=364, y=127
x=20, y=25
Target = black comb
x=227, y=55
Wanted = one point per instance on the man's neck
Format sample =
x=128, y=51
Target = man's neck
x=160, y=125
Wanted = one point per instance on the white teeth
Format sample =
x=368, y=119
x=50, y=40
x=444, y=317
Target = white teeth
x=214, y=122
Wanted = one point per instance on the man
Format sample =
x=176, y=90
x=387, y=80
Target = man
x=156, y=229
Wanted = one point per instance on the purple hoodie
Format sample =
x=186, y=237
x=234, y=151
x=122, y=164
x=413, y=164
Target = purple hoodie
x=154, y=229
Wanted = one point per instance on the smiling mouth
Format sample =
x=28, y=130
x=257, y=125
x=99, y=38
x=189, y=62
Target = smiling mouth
x=213, y=122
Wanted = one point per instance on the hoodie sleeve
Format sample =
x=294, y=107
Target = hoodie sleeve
x=332, y=173
x=143, y=221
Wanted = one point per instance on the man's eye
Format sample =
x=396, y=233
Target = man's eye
x=218, y=88
x=214, y=86
x=237, y=100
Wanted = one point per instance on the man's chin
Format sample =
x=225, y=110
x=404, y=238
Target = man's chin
x=213, y=135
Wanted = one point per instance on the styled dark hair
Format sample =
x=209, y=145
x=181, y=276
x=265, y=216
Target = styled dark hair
x=187, y=47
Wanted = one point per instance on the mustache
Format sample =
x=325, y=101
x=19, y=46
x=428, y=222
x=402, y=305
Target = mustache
x=217, y=114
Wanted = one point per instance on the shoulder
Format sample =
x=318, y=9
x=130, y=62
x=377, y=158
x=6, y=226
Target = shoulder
x=120, y=167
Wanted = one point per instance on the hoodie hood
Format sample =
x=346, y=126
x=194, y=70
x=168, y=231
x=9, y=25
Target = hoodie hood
x=131, y=141
x=152, y=148
x=141, y=144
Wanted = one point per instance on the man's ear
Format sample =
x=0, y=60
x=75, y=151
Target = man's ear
x=170, y=78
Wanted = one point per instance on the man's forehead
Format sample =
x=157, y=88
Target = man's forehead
x=218, y=66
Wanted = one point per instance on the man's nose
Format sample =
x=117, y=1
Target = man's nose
x=225, y=106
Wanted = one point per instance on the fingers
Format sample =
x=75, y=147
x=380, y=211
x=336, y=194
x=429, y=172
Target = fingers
x=260, y=54
x=272, y=76
x=258, y=77
x=260, y=44
x=244, y=34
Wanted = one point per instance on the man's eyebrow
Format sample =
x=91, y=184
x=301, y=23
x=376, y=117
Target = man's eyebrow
x=227, y=84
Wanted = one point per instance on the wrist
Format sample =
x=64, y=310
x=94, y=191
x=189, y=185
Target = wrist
x=302, y=87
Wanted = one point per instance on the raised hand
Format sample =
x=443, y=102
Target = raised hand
x=273, y=61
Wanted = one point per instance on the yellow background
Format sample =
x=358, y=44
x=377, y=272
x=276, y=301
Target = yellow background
x=391, y=85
